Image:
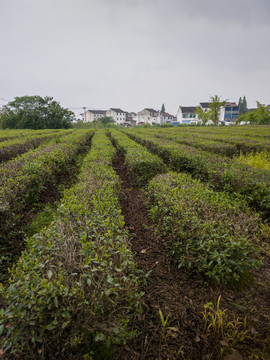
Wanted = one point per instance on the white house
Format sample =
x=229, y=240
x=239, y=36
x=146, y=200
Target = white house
x=164, y=118
x=119, y=116
x=187, y=115
x=91, y=115
x=147, y=115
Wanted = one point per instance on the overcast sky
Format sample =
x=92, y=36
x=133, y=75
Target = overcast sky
x=134, y=54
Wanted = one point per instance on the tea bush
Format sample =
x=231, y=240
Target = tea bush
x=140, y=162
x=14, y=147
x=76, y=283
x=221, y=172
x=208, y=231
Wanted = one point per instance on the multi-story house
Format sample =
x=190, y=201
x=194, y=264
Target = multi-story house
x=91, y=115
x=164, y=118
x=229, y=113
x=119, y=116
x=187, y=115
x=147, y=115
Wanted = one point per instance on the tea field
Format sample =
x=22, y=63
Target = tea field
x=144, y=243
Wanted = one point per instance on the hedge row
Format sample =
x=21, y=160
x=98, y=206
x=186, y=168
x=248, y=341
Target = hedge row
x=76, y=284
x=208, y=231
x=222, y=173
x=240, y=132
x=217, y=147
x=20, y=133
x=14, y=147
x=141, y=164
x=239, y=142
x=22, y=179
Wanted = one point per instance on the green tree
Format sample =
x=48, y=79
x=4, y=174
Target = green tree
x=240, y=105
x=215, y=105
x=35, y=112
x=163, y=108
x=244, y=102
x=204, y=116
x=105, y=120
x=260, y=116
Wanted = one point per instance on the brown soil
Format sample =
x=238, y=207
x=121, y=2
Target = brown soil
x=181, y=296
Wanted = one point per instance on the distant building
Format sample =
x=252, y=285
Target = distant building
x=164, y=118
x=119, y=116
x=91, y=115
x=229, y=113
x=187, y=115
x=147, y=115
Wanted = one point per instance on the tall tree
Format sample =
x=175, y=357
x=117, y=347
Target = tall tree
x=215, y=105
x=240, y=105
x=35, y=112
x=244, y=104
x=163, y=108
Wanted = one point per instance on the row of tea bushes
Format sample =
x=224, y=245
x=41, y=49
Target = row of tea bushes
x=75, y=285
x=217, y=147
x=239, y=142
x=22, y=179
x=19, y=133
x=208, y=231
x=260, y=160
x=253, y=132
x=141, y=164
x=14, y=147
x=223, y=173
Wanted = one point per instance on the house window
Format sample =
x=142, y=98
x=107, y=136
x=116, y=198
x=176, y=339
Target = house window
x=227, y=116
x=228, y=109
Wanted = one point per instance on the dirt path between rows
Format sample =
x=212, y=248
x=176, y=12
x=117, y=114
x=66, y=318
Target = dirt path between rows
x=166, y=287
x=181, y=295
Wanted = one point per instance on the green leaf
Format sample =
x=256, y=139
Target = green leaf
x=1, y=329
x=56, y=301
x=65, y=324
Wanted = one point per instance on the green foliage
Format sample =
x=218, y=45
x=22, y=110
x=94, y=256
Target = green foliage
x=23, y=178
x=162, y=108
x=44, y=218
x=242, y=105
x=76, y=283
x=13, y=147
x=208, y=230
x=229, y=334
x=104, y=120
x=35, y=112
x=260, y=116
x=204, y=116
x=260, y=160
x=215, y=105
x=222, y=173
x=101, y=123
x=140, y=162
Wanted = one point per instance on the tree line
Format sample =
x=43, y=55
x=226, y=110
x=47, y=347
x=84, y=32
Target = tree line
x=35, y=112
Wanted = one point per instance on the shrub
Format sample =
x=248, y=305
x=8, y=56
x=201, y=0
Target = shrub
x=76, y=283
x=209, y=231
x=141, y=164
